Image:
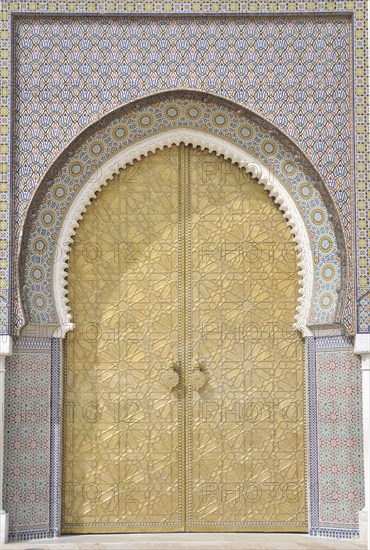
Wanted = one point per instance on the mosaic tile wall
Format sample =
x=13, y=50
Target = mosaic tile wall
x=335, y=424
x=27, y=436
x=127, y=127
x=294, y=71
x=321, y=123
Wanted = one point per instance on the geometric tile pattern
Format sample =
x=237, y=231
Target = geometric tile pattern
x=286, y=70
x=294, y=71
x=335, y=424
x=27, y=436
x=55, y=435
x=129, y=127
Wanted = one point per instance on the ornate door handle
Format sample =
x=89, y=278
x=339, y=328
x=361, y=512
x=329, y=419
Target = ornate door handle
x=170, y=376
x=197, y=376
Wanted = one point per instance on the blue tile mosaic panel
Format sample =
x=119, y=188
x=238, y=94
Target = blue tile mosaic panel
x=125, y=129
x=27, y=436
x=359, y=84
x=294, y=71
x=335, y=427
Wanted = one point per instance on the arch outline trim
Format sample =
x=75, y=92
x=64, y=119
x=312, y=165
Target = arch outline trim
x=204, y=140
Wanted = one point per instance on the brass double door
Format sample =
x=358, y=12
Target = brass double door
x=183, y=379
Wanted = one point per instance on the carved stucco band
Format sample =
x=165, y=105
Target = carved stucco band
x=196, y=138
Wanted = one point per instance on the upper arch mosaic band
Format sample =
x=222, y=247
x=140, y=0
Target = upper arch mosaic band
x=212, y=117
x=293, y=99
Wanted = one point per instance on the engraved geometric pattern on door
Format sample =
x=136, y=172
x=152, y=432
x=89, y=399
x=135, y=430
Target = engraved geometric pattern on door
x=183, y=378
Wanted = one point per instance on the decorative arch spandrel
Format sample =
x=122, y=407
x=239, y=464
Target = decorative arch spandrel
x=226, y=129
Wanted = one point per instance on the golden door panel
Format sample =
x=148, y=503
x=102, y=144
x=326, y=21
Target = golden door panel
x=246, y=459
x=123, y=439
x=183, y=255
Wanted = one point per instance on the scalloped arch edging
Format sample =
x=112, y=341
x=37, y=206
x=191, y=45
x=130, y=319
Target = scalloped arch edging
x=214, y=144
